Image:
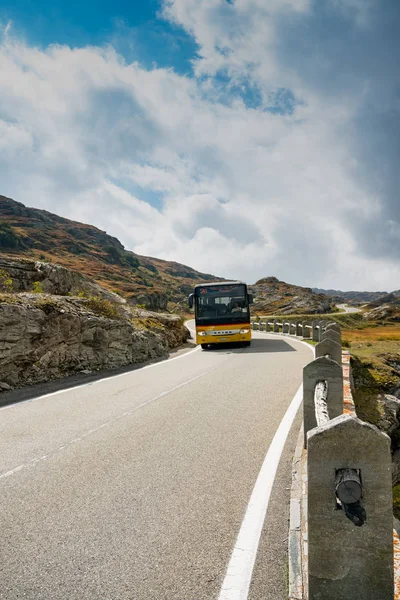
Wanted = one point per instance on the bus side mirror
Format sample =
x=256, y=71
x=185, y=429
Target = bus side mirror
x=250, y=296
x=190, y=300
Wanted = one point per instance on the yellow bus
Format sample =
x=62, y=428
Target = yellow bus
x=222, y=313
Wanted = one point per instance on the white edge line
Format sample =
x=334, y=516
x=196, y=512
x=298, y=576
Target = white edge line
x=101, y=380
x=238, y=576
x=240, y=568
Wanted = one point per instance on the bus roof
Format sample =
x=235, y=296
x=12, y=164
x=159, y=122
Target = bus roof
x=220, y=283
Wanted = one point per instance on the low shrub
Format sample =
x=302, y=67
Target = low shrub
x=37, y=288
x=102, y=307
x=5, y=281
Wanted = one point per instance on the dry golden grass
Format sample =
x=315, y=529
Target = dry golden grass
x=372, y=334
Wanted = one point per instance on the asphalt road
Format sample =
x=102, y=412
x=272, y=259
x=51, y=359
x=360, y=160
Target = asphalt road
x=135, y=487
x=349, y=309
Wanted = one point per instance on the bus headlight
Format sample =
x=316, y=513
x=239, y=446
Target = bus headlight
x=202, y=333
x=244, y=331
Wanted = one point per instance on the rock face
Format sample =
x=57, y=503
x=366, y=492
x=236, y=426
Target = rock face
x=389, y=422
x=44, y=337
x=155, y=301
x=53, y=279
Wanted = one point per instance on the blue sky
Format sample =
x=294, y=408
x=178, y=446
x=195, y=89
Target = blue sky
x=135, y=28
x=244, y=138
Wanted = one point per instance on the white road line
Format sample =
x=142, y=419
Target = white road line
x=240, y=569
x=12, y=471
x=76, y=387
x=34, y=461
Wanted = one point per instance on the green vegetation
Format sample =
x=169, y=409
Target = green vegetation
x=102, y=307
x=37, y=288
x=396, y=501
x=5, y=281
x=151, y=268
x=114, y=255
x=131, y=260
x=47, y=305
x=8, y=238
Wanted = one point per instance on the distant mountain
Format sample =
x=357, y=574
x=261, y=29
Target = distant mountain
x=352, y=297
x=43, y=236
x=272, y=296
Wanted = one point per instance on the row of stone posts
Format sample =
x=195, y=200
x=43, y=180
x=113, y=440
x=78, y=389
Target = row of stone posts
x=349, y=486
x=349, y=489
x=296, y=328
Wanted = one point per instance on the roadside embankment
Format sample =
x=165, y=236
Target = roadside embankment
x=45, y=337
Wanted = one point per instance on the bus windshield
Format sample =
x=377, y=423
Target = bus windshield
x=222, y=303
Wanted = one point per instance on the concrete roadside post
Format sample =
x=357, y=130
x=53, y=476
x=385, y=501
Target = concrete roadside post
x=322, y=325
x=267, y=326
x=321, y=369
x=307, y=328
x=331, y=348
x=299, y=328
x=285, y=326
x=331, y=334
x=276, y=326
x=315, y=331
x=350, y=551
x=333, y=326
x=261, y=325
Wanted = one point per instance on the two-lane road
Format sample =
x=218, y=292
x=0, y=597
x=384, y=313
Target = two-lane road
x=136, y=487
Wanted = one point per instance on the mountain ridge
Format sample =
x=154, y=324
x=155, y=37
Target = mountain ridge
x=44, y=236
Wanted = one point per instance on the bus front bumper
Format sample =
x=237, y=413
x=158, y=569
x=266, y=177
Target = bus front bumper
x=223, y=335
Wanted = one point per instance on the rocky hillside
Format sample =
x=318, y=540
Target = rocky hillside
x=42, y=236
x=272, y=297
x=77, y=327
x=352, y=297
x=386, y=308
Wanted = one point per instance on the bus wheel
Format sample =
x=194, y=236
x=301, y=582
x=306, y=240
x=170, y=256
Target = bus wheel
x=204, y=346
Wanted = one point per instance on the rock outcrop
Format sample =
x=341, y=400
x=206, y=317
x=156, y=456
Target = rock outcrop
x=44, y=337
x=272, y=296
x=53, y=279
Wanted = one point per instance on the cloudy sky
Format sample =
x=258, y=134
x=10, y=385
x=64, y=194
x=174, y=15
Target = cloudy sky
x=245, y=138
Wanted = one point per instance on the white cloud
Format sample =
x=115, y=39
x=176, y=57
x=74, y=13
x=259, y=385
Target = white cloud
x=245, y=192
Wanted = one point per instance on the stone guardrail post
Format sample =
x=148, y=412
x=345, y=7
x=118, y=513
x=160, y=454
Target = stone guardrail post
x=331, y=348
x=322, y=326
x=321, y=369
x=331, y=334
x=276, y=326
x=299, y=328
x=285, y=326
x=307, y=330
x=333, y=326
x=267, y=326
x=350, y=551
x=262, y=325
x=315, y=331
